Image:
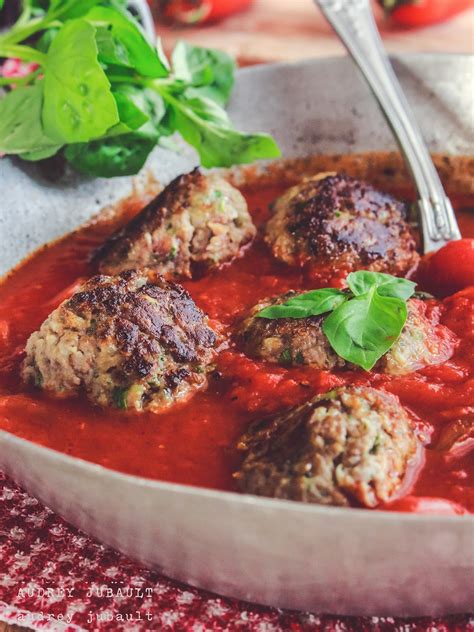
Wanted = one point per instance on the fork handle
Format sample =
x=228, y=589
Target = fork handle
x=354, y=22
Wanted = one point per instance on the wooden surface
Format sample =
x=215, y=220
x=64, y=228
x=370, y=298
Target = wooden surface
x=277, y=30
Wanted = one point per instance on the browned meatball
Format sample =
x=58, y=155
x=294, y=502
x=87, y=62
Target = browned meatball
x=196, y=223
x=286, y=341
x=423, y=342
x=294, y=341
x=133, y=341
x=350, y=446
x=335, y=220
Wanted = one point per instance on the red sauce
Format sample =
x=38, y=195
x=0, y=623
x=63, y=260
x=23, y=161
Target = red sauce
x=194, y=443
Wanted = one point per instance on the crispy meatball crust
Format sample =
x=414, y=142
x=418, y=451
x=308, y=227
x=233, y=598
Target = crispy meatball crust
x=333, y=219
x=350, y=446
x=197, y=222
x=133, y=341
x=286, y=341
x=301, y=341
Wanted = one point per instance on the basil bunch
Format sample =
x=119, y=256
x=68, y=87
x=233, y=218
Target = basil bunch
x=105, y=96
x=363, y=322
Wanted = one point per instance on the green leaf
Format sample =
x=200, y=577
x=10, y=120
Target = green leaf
x=20, y=122
x=305, y=305
x=363, y=329
x=205, y=126
x=130, y=114
x=111, y=49
x=44, y=42
x=40, y=154
x=70, y=9
x=126, y=30
x=387, y=285
x=78, y=103
x=118, y=155
x=211, y=72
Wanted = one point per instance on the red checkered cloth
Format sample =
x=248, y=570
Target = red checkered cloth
x=54, y=577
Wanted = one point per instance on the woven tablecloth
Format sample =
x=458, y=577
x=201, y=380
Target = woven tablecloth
x=54, y=577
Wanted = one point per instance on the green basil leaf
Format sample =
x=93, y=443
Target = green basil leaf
x=44, y=42
x=21, y=130
x=78, y=103
x=111, y=49
x=149, y=104
x=304, y=305
x=387, y=285
x=205, y=126
x=211, y=72
x=110, y=157
x=363, y=329
x=130, y=114
x=70, y=9
x=40, y=154
x=127, y=31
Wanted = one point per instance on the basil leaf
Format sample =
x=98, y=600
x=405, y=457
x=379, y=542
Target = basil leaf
x=110, y=157
x=205, y=126
x=69, y=9
x=130, y=114
x=78, y=103
x=311, y=303
x=149, y=104
x=363, y=329
x=20, y=122
x=387, y=285
x=44, y=42
x=211, y=72
x=127, y=31
x=111, y=49
x=40, y=154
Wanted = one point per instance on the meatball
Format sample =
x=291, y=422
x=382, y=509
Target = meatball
x=337, y=221
x=348, y=447
x=301, y=341
x=197, y=222
x=133, y=341
x=286, y=341
x=423, y=342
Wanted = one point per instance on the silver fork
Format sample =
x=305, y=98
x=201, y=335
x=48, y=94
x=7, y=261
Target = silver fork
x=354, y=22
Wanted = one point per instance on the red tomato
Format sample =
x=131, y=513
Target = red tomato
x=450, y=269
x=426, y=505
x=424, y=12
x=199, y=11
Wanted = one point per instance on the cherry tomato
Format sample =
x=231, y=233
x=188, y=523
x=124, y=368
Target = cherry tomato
x=424, y=12
x=426, y=505
x=199, y=11
x=450, y=269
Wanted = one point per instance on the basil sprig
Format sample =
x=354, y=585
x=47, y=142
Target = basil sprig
x=103, y=95
x=363, y=322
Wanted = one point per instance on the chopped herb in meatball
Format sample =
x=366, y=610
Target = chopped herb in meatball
x=197, y=223
x=352, y=446
x=134, y=341
x=335, y=220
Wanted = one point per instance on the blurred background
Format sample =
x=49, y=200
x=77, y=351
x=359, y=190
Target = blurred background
x=259, y=31
x=273, y=30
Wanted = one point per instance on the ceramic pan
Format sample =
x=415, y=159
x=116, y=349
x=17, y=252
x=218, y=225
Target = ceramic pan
x=342, y=561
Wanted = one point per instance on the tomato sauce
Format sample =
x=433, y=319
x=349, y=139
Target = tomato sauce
x=195, y=442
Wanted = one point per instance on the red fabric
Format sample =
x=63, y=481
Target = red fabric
x=38, y=551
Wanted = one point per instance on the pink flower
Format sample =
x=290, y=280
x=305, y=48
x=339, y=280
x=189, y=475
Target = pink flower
x=17, y=68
